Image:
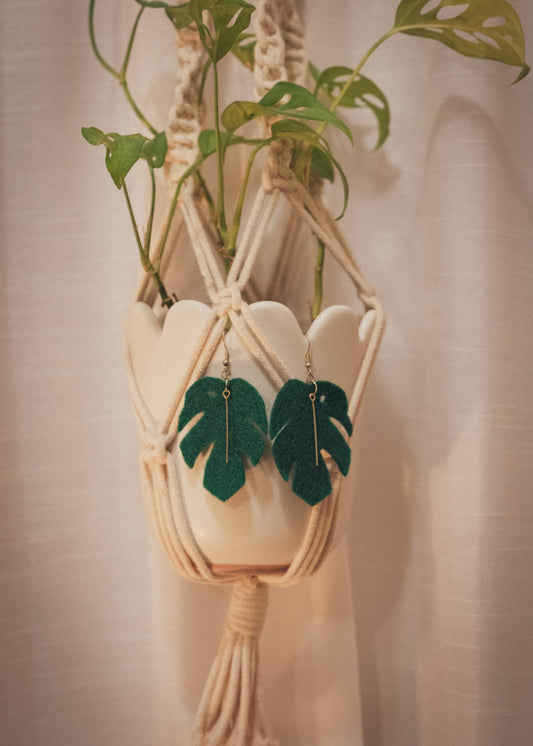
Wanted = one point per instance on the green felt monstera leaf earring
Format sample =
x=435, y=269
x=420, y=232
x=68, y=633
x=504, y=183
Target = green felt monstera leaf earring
x=234, y=420
x=301, y=428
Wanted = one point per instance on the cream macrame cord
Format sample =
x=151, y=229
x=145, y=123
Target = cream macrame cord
x=230, y=711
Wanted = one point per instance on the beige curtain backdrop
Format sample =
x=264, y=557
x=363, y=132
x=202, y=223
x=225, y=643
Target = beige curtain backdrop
x=418, y=631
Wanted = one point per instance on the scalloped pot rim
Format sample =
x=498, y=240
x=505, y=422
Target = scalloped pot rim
x=322, y=317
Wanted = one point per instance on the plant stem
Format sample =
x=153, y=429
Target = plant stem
x=120, y=75
x=202, y=82
x=95, y=49
x=234, y=230
x=211, y=206
x=220, y=161
x=172, y=208
x=319, y=269
x=145, y=259
x=124, y=84
x=319, y=266
x=126, y=61
x=148, y=236
x=336, y=102
x=123, y=70
x=207, y=194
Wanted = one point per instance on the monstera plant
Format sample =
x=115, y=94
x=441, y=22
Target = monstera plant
x=298, y=116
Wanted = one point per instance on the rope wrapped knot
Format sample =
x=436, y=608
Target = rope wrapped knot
x=155, y=450
x=278, y=174
x=230, y=713
x=248, y=608
x=228, y=299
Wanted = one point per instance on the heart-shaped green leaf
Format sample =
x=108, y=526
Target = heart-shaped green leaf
x=207, y=142
x=292, y=429
x=239, y=112
x=488, y=29
x=154, y=151
x=246, y=428
x=123, y=151
x=361, y=92
x=93, y=135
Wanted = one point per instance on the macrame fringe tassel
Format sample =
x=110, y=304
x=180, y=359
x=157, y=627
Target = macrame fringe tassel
x=230, y=713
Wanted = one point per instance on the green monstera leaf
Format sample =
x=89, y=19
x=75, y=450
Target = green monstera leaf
x=362, y=92
x=293, y=431
x=246, y=428
x=488, y=29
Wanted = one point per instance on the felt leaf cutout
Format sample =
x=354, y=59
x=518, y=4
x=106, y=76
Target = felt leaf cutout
x=301, y=105
x=247, y=424
x=361, y=92
x=293, y=433
x=487, y=29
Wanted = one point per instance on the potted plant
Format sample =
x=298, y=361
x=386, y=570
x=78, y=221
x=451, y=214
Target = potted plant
x=244, y=419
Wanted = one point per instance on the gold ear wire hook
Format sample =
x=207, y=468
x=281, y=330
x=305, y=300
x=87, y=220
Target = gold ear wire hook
x=226, y=375
x=226, y=356
x=309, y=377
x=312, y=396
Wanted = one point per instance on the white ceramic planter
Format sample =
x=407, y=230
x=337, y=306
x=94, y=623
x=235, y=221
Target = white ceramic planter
x=262, y=525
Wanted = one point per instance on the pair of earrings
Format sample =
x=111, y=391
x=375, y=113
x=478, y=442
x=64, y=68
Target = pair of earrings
x=234, y=420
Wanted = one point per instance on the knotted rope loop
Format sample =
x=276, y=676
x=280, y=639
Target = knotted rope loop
x=277, y=174
x=155, y=448
x=368, y=298
x=269, y=52
x=248, y=607
x=228, y=299
x=186, y=116
x=293, y=35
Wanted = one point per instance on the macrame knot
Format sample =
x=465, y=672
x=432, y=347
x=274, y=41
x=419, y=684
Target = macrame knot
x=229, y=298
x=278, y=174
x=155, y=448
x=248, y=607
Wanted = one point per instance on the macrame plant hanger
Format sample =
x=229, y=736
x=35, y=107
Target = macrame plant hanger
x=230, y=712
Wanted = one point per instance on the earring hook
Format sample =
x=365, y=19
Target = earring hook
x=226, y=356
x=310, y=377
x=226, y=373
